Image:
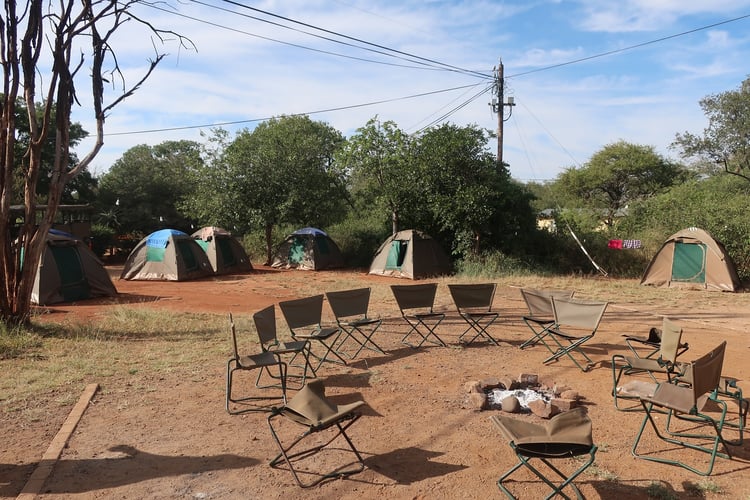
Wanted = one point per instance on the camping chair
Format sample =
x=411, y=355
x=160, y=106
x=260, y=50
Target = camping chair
x=540, y=316
x=310, y=408
x=565, y=435
x=262, y=361
x=669, y=346
x=265, y=325
x=652, y=344
x=416, y=305
x=350, y=308
x=474, y=304
x=576, y=322
x=727, y=389
x=687, y=401
x=303, y=317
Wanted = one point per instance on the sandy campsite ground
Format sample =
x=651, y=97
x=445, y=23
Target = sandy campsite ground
x=165, y=433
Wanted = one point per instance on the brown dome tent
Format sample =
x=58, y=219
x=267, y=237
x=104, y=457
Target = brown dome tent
x=168, y=255
x=224, y=252
x=692, y=258
x=69, y=271
x=308, y=249
x=410, y=254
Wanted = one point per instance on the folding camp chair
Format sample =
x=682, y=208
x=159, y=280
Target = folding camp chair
x=263, y=361
x=540, y=316
x=474, y=304
x=680, y=401
x=416, y=304
x=565, y=435
x=310, y=408
x=265, y=325
x=350, y=308
x=669, y=346
x=651, y=344
x=576, y=322
x=303, y=316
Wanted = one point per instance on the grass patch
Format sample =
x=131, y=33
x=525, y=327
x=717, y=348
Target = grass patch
x=702, y=487
x=659, y=491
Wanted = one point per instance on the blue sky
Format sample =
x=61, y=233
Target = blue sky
x=664, y=56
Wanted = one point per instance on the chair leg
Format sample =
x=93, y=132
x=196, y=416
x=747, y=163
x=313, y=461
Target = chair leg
x=713, y=450
x=556, y=489
x=231, y=368
x=289, y=458
x=479, y=328
x=567, y=350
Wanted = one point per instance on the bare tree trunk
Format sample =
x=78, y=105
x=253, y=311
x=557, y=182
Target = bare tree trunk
x=48, y=32
x=269, y=244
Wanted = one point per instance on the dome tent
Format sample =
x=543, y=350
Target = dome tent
x=167, y=254
x=224, y=252
x=69, y=271
x=410, y=254
x=692, y=258
x=310, y=249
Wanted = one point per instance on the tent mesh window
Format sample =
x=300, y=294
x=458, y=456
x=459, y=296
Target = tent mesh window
x=689, y=264
x=397, y=254
x=224, y=246
x=186, y=251
x=73, y=283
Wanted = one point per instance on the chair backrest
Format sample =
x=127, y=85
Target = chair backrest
x=538, y=301
x=671, y=334
x=576, y=313
x=265, y=325
x=233, y=331
x=473, y=296
x=300, y=313
x=421, y=296
x=706, y=371
x=348, y=303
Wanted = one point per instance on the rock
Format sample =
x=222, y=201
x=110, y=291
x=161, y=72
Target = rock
x=508, y=383
x=563, y=404
x=528, y=379
x=510, y=404
x=541, y=409
x=478, y=401
x=569, y=394
x=474, y=386
x=490, y=383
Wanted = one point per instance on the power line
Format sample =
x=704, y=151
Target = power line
x=298, y=46
x=328, y=110
x=390, y=52
x=631, y=47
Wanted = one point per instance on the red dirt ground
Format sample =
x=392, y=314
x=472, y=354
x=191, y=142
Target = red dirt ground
x=166, y=434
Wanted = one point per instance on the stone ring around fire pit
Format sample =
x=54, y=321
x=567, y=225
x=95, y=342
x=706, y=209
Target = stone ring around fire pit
x=527, y=394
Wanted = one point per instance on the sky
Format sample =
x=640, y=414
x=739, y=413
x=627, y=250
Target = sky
x=583, y=73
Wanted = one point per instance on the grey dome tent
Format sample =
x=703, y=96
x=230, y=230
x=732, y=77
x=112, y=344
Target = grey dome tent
x=308, y=248
x=69, y=271
x=410, y=254
x=168, y=255
x=224, y=252
x=692, y=258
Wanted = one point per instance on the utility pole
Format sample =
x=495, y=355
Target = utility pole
x=498, y=105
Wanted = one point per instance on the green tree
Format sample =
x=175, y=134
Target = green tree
x=382, y=173
x=48, y=49
x=617, y=175
x=472, y=201
x=144, y=187
x=726, y=139
x=280, y=173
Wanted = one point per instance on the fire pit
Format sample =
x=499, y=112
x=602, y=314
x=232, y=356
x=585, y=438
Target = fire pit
x=526, y=394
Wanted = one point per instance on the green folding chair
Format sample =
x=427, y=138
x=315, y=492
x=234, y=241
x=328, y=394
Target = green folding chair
x=576, y=322
x=566, y=435
x=686, y=403
x=664, y=365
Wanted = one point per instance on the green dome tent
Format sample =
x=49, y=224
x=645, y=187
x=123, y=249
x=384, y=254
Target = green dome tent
x=168, y=255
x=224, y=252
x=309, y=249
x=69, y=271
